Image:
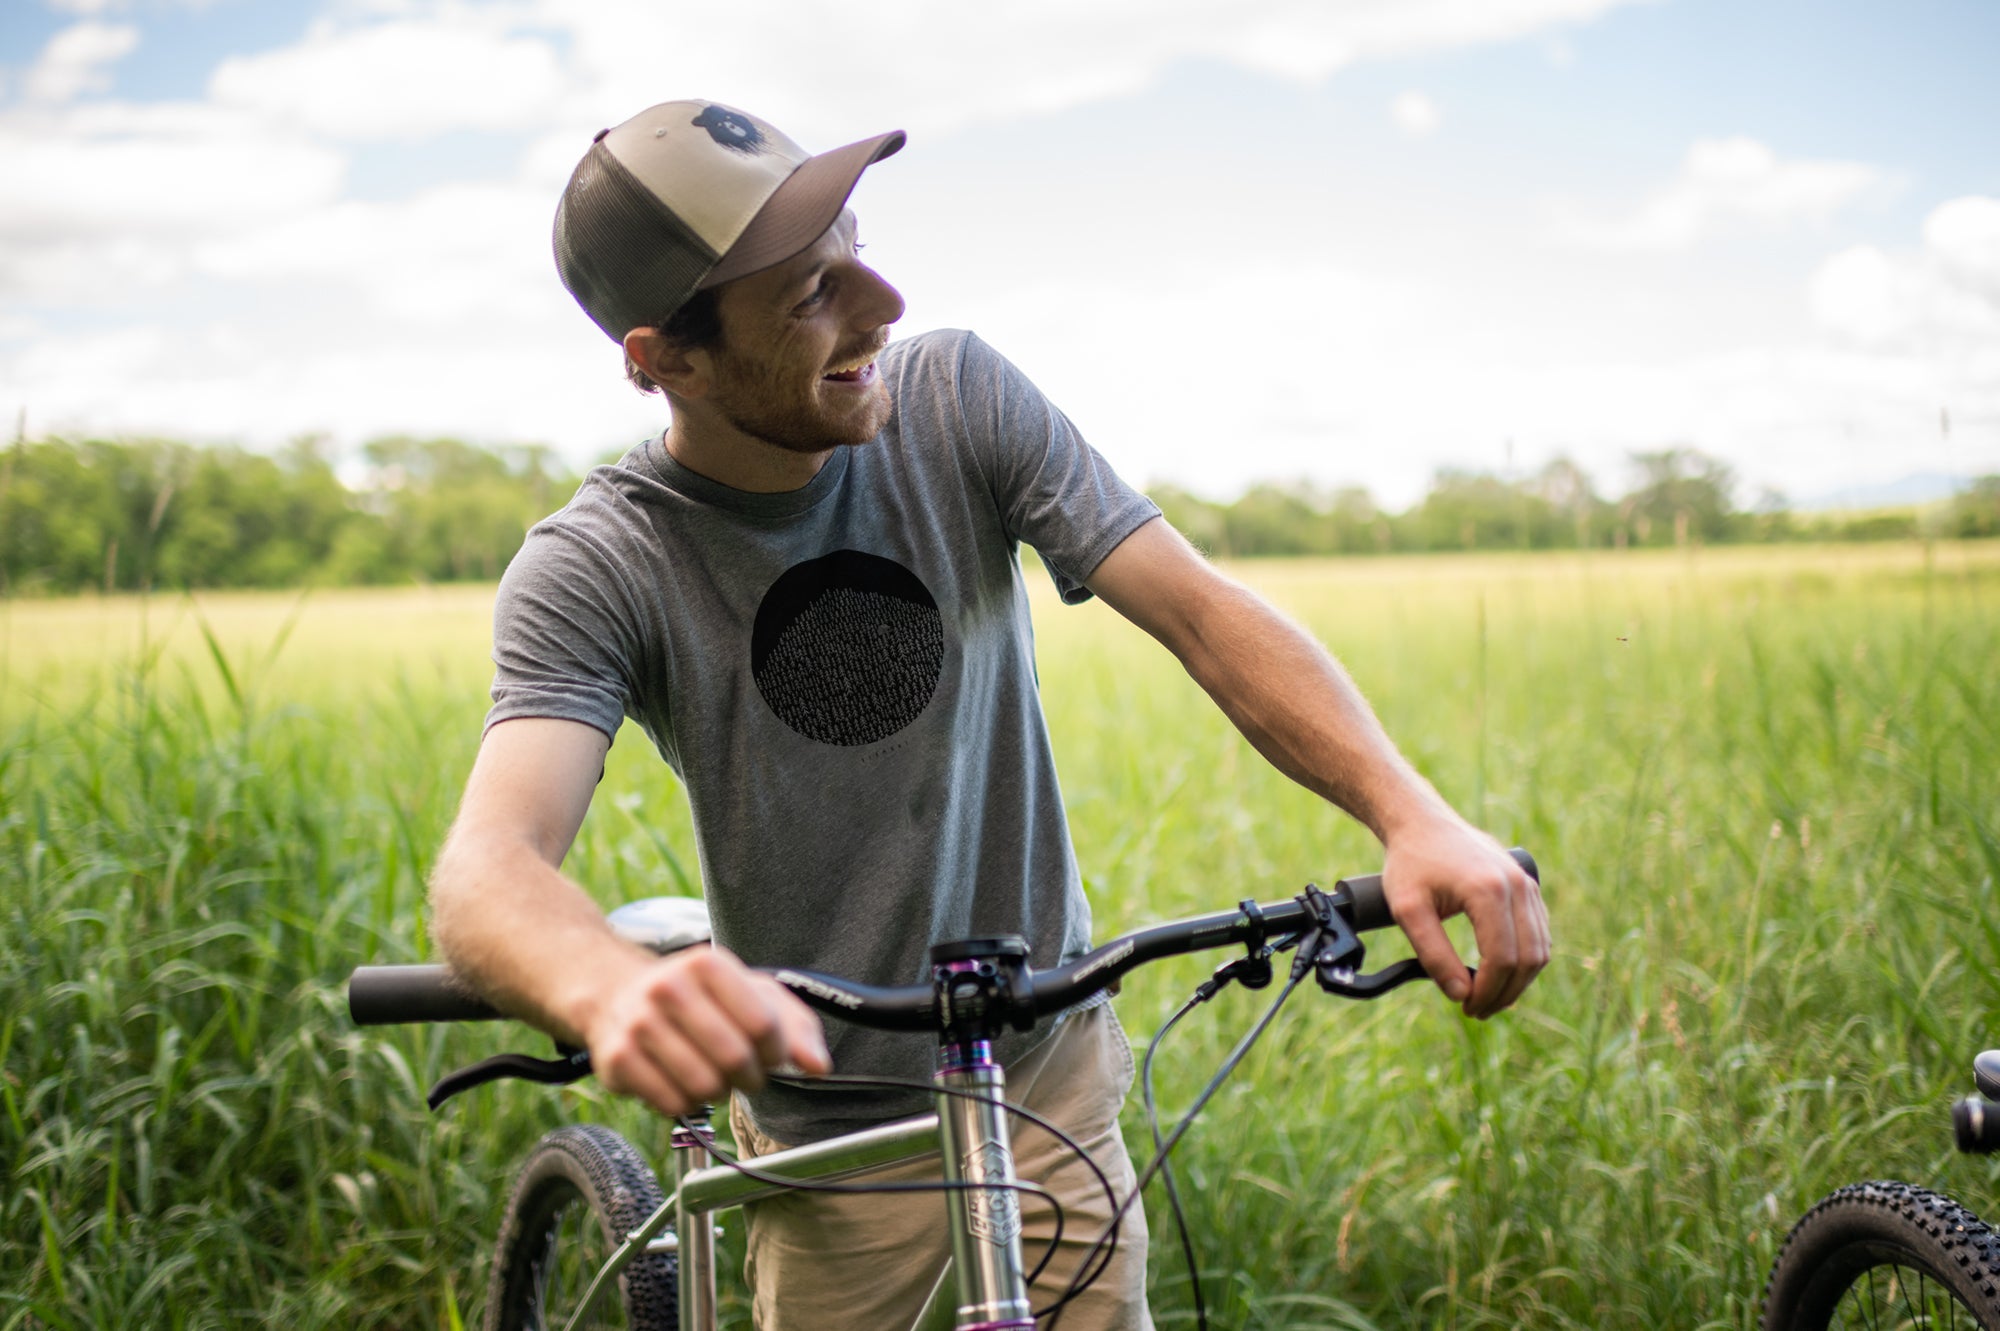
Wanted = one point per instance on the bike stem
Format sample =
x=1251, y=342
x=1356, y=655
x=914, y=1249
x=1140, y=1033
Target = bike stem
x=973, y=980
x=693, y=1229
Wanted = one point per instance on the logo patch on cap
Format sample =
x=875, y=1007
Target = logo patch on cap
x=729, y=129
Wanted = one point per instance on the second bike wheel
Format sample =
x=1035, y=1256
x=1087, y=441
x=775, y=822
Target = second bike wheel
x=1886, y=1255
x=582, y=1190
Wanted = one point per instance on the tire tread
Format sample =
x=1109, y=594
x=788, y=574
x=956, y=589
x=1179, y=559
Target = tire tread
x=621, y=1191
x=1853, y=1226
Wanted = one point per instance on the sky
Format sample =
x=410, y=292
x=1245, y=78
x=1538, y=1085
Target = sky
x=1351, y=242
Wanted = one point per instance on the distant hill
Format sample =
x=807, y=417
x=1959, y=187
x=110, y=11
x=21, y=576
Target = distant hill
x=1921, y=488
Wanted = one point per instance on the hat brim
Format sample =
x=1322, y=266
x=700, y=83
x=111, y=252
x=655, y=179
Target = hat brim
x=801, y=209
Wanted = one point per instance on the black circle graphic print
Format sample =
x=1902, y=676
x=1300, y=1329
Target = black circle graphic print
x=847, y=648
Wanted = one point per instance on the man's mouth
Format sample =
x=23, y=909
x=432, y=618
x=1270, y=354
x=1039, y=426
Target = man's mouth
x=860, y=369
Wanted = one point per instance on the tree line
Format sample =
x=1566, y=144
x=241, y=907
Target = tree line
x=135, y=515
x=1682, y=497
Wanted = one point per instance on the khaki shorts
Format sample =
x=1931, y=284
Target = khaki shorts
x=867, y=1263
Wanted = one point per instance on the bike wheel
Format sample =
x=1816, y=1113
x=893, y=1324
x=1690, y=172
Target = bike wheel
x=1886, y=1255
x=582, y=1190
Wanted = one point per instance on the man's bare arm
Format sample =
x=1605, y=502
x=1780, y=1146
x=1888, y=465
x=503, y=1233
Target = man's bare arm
x=674, y=1031
x=1293, y=701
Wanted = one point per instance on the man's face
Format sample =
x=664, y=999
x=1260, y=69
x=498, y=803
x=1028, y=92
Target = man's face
x=796, y=364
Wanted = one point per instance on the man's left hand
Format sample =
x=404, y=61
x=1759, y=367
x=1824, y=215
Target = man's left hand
x=1443, y=867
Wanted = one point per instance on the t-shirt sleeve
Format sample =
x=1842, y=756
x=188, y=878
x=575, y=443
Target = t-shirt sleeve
x=1054, y=490
x=563, y=644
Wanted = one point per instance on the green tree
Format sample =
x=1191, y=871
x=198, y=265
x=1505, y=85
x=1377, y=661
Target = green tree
x=455, y=511
x=1278, y=520
x=1469, y=510
x=1198, y=519
x=231, y=518
x=1683, y=495
x=131, y=515
x=1359, y=524
x=1581, y=518
x=1975, y=511
x=67, y=514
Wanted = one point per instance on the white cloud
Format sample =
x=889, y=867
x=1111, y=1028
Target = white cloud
x=95, y=8
x=77, y=60
x=787, y=59
x=1914, y=330
x=458, y=252
x=398, y=80
x=1964, y=235
x=1378, y=375
x=1942, y=297
x=1725, y=182
x=1336, y=375
x=1414, y=113
x=157, y=168
x=351, y=378
x=105, y=195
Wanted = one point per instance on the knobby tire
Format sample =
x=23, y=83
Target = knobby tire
x=582, y=1190
x=1881, y=1255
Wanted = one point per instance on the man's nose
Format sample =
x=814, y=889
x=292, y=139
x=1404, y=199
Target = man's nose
x=883, y=304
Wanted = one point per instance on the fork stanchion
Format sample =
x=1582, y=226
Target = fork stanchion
x=696, y=1233
x=986, y=1240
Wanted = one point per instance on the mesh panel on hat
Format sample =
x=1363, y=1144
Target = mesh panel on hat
x=621, y=252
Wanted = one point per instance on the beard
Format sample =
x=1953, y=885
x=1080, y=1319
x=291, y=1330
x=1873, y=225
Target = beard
x=782, y=410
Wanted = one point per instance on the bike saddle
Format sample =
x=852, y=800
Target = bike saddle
x=662, y=924
x=1986, y=1073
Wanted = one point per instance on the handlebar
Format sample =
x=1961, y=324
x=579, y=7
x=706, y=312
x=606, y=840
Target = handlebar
x=391, y=995
x=1040, y=993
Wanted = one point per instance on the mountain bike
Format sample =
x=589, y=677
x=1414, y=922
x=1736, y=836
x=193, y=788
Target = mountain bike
x=1883, y=1254
x=590, y=1238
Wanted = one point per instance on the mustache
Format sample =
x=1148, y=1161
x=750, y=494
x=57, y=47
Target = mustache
x=874, y=348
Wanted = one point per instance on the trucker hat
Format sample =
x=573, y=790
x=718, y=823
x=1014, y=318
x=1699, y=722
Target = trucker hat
x=688, y=195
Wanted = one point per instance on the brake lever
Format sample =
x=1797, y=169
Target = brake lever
x=573, y=1066
x=1346, y=982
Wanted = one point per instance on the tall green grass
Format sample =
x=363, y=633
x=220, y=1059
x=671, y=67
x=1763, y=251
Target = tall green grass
x=1761, y=785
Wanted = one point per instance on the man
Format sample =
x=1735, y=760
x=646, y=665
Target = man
x=807, y=592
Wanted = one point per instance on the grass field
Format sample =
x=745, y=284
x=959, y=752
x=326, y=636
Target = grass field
x=1760, y=782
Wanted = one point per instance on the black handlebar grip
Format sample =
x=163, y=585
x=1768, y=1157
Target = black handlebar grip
x=390, y=995
x=1976, y=1124
x=1371, y=907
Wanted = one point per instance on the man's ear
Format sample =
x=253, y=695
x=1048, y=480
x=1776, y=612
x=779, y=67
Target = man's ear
x=680, y=371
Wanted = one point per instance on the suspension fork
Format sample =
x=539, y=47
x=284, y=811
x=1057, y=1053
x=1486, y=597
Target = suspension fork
x=694, y=1232
x=985, y=1221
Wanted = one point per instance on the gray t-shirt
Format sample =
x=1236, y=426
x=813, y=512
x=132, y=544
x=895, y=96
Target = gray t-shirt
x=843, y=677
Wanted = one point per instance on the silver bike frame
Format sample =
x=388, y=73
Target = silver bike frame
x=983, y=1287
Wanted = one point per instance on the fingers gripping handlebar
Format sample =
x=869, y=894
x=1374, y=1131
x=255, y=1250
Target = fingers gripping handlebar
x=1371, y=906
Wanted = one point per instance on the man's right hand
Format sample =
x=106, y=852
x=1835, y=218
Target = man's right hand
x=680, y=1031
